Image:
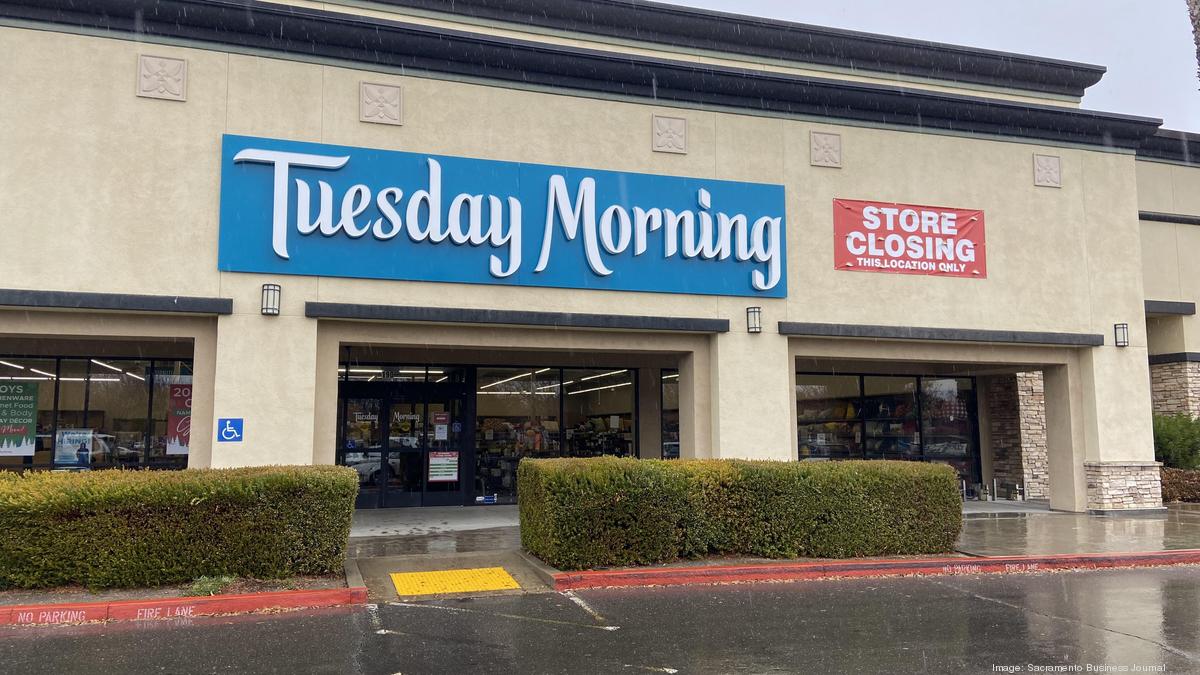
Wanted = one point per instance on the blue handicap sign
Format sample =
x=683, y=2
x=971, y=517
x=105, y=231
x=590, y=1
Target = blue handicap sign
x=229, y=430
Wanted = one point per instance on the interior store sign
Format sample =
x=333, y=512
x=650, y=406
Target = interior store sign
x=18, y=419
x=908, y=239
x=304, y=208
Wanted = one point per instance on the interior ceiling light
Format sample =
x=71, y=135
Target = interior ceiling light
x=593, y=377
x=11, y=365
x=609, y=386
x=101, y=363
x=509, y=379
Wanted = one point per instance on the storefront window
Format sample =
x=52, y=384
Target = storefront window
x=97, y=413
x=827, y=410
x=948, y=419
x=888, y=417
x=117, y=401
x=517, y=415
x=73, y=437
x=890, y=411
x=171, y=429
x=670, y=414
x=26, y=413
x=598, y=407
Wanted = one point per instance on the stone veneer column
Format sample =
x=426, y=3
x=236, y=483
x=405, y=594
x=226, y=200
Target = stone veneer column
x=1031, y=398
x=1017, y=421
x=1175, y=388
x=1120, y=486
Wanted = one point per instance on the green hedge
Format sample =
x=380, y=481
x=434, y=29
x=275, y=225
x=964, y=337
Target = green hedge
x=1177, y=441
x=607, y=511
x=1180, y=485
x=146, y=528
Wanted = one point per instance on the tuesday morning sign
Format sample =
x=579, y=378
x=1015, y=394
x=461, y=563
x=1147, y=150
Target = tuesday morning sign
x=326, y=210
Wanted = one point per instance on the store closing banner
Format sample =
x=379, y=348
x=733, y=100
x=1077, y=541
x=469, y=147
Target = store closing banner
x=323, y=210
x=908, y=239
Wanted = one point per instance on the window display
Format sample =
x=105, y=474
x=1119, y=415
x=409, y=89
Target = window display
x=517, y=415
x=35, y=377
x=826, y=407
x=889, y=417
x=598, y=406
x=948, y=421
x=889, y=407
x=104, y=412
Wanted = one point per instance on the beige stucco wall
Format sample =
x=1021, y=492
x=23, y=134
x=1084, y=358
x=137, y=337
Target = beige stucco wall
x=1170, y=250
x=98, y=175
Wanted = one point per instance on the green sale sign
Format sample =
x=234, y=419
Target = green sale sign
x=18, y=419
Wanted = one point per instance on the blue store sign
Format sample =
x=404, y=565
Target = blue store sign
x=327, y=210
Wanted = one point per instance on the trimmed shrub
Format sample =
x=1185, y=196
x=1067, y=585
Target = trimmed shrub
x=1180, y=485
x=604, y=512
x=1177, y=441
x=146, y=528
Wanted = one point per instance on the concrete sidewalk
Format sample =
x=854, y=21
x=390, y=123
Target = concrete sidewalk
x=430, y=520
x=1054, y=532
x=471, y=537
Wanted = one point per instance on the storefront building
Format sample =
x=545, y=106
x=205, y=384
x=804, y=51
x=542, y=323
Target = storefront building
x=427, y=240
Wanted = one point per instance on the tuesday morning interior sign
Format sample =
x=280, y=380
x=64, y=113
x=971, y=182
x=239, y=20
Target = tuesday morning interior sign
x=324, y=210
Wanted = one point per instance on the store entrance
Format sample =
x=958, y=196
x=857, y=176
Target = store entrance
x=408, y=441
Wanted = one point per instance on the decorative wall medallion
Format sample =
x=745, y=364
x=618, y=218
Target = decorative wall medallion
x=162, y=77
x=379, y=103
x=825, y=149
x=1047, y=171
x=669, y=134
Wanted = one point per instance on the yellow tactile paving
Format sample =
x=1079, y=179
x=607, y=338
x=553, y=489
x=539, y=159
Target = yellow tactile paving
x=453, y=581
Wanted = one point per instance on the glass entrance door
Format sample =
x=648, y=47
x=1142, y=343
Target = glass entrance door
x=407, y=441
x=400, y=477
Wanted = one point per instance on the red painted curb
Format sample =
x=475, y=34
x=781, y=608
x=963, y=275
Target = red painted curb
x=796, y=571
x=168, y=608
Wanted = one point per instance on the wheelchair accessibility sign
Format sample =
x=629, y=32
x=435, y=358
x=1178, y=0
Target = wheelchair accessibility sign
x=229, y=430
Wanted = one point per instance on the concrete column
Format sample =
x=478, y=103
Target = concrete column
x=650, y=413
x=1065, y=444
x=1121, y=473
x=326, y=400
x=204, y=373
x=266, y=374
x=695, y=400
x=753, y=395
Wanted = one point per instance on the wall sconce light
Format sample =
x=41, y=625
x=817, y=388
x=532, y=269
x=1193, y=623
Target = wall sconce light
x=1121, y=331
x=270, y=299
x=754, y=319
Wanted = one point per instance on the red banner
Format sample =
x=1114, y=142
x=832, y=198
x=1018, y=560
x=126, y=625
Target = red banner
x=179, y=419
x=908, y=239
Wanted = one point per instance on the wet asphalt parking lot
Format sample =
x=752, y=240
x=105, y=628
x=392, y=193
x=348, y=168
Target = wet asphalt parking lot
x=1148, y=618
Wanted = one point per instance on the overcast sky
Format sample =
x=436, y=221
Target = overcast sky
x=1146, y=44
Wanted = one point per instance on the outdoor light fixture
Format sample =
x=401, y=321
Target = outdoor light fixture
x=754, y=319
x=1122, y=334
x=270, y=299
